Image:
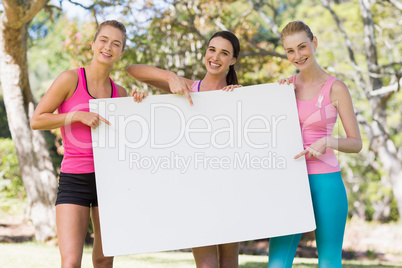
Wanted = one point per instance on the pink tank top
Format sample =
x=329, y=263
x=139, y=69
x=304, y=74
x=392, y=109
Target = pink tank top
x=195, y=87
x=77, y=141
x=317, y=119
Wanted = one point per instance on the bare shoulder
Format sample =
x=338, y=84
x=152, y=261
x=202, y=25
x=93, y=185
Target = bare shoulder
x=66, y=82
x=339, y=87
x=339, y=90
x=122, y=91
x=69, y=76
x=340, y=93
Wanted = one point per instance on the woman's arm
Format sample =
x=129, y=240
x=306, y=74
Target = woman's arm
x=342, y=100
x=162, y=79
x=150, y=75
x=122, y=91
x=61, y=89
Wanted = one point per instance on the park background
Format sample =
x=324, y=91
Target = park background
x=359, y=41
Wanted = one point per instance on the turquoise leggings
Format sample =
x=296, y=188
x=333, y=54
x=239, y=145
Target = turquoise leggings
x=330, y=210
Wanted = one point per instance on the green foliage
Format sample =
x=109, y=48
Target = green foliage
x=368, y=190
x=53, y=143
x=11, y=206
x=369, y=193
x=394, y=119
x=176, y=40
x=10, y=179
x=173, y=36
x=394, y=214
x=47, y=57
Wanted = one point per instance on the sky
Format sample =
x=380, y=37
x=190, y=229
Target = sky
x=74, y=11
x=82, y=14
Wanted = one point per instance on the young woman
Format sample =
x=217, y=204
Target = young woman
x=69, y=94
x=320, y=97
x=221, y=55
x=222, y=52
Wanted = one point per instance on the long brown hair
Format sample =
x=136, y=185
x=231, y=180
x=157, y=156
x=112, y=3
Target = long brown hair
x=231, y=77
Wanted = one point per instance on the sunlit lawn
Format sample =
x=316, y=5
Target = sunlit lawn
x=35, y=255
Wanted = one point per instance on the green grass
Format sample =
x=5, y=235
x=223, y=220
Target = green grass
x=35, y=255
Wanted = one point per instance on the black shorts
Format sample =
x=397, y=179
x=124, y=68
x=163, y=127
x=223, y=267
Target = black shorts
x=78, y=189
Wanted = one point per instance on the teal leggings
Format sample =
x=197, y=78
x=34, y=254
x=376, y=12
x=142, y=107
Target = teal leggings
x=330, y=210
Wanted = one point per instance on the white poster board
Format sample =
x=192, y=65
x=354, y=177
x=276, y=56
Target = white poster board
x=171, y=176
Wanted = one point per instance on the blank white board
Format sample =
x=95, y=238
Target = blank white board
x=170, y=176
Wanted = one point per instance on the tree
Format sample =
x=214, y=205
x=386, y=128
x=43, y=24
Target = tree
x=175, y=37
x=37, y=171
x=375, y=124
x=367, y=172
x=34, y=160
x=256, y=22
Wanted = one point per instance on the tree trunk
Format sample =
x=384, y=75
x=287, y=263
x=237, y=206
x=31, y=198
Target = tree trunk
x=37, y=172
x=384, y=148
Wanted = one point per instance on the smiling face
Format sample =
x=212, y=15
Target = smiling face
x=219, y=56
x=108, y=45
x=300, y=49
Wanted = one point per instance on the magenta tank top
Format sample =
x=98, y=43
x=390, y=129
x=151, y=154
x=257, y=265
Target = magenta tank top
x=195, y=87
x=317, y=119
x=77, y=141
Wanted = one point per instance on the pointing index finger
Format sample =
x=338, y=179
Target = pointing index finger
x=301, y=154
x=189, y=97
x=104, y=120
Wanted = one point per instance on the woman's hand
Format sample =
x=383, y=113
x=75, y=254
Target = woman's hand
x=178, y=85
x=230, y=87
x=316, y=149
x=138, y=96
x=90, y=119
x=286, y=81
